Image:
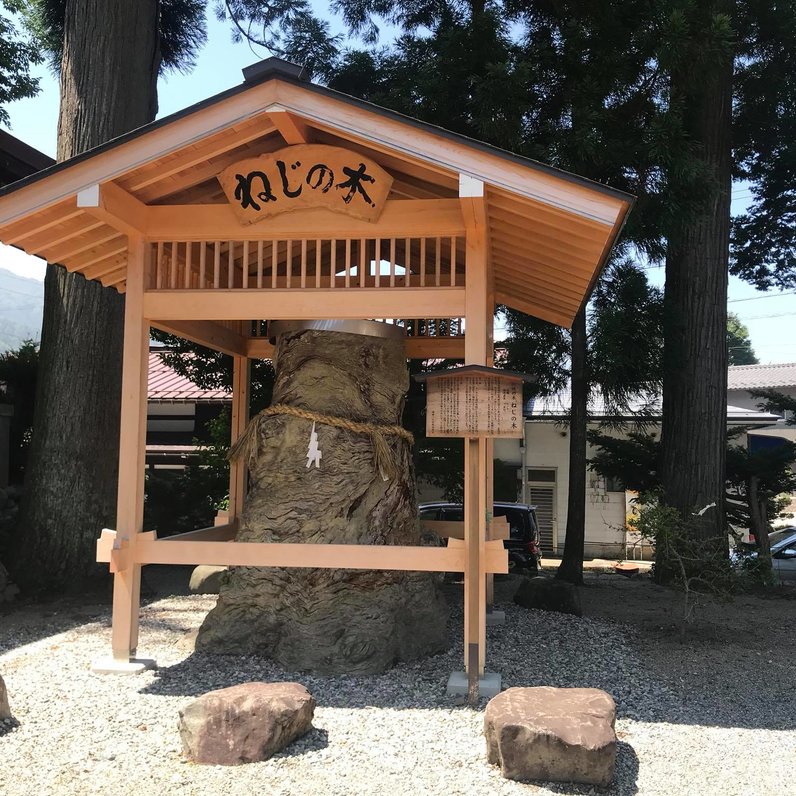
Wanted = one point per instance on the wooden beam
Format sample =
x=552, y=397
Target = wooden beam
x=435, y=347
x=132, y=453
x=239, y=420
x=23, y=230
x=148, y=549
x=206, y=333
x=472, y=198
x=109, y=203
x=479, y=317
x=420, y=218
x=64, y=233
x=416, y=347
x=201, y=153
x=536, y=310
x=103, y=262
x=305, y=304
x=215, y=533
x=77, y=246
x=291, y=128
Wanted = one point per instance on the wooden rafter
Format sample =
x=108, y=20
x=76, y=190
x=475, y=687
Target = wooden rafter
x=290, y=127
x=206, y=333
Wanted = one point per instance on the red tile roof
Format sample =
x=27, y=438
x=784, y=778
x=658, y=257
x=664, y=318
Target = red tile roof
x=167, y=385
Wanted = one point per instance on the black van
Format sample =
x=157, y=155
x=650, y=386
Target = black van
x=523, y=541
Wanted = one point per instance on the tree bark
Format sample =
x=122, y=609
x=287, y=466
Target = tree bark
x=571, y=567
x=108, y=86
x=759, y=521
x=330, y=620
x=695, y=310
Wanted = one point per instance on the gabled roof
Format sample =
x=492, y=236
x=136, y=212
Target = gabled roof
x=550, y=232
x=755, y=377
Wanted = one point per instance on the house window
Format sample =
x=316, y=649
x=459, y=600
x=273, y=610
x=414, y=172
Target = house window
x=542, y=476
x=614, y=484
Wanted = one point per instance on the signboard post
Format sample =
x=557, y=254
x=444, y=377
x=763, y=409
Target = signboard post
x=477, y=403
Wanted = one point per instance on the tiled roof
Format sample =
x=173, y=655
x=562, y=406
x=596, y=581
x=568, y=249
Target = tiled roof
x=753, y=377
x=167, y=385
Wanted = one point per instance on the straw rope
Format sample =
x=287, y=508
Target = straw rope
x=247, y=445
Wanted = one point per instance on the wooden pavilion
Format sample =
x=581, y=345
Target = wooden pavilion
x=186, y=216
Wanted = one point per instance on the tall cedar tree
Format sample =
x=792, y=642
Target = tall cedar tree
x=697, y=260
x=109, y=56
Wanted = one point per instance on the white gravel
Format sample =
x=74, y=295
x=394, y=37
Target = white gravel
x=80, y=733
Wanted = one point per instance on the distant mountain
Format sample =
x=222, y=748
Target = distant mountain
x=21, y=306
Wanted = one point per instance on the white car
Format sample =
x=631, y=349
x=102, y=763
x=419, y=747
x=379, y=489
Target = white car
x=783, y=554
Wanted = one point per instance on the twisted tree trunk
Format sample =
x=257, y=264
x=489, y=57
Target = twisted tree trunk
x=330, y=620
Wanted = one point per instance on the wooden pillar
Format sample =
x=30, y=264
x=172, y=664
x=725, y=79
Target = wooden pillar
x=477, y=351
x=490, y=443
x=240, y=419
x=132, y=452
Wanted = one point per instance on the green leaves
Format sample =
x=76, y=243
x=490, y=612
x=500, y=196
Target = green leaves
x=17, y=55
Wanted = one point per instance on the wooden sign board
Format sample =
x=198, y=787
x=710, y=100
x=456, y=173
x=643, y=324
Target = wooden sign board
x=303, y=176
x=474, y=405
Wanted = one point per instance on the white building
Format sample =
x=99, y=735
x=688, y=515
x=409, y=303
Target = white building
x=542, y=461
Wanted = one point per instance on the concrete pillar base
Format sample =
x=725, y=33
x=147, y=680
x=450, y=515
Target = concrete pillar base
x=488, y=684
x=495, y=618
x=110, y=665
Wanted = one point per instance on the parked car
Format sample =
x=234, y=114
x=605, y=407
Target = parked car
x=523, y=542
x=783, y=553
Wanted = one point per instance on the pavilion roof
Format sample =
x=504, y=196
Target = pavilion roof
x=550, y=232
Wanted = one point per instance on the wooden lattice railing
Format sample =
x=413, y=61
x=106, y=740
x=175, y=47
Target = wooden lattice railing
x=278, y=264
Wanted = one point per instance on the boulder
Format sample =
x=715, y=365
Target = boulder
x=5, y=710
x=206, y=579
x=549, y=594
x=552, y=734
x=245, y=723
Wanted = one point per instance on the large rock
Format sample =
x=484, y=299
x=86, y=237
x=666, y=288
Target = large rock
x=330, y=621
x=549, y=594
x=552, y=734
x=206, y=579
x=245, y=723
x=5, y=710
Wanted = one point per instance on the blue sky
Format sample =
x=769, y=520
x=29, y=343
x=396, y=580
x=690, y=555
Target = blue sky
x=771, y=317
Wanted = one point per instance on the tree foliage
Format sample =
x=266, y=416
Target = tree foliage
x=183, y=30
x=739, y=344
x=17, y=54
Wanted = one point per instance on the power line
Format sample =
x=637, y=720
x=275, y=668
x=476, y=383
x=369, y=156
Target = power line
x=768, y=295
x=773, y=315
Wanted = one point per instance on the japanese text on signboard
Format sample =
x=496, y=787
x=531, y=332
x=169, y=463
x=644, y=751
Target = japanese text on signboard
x=474, y=406
x=303, y=176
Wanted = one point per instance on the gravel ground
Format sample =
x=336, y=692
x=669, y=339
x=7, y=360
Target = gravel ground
x=79, y=733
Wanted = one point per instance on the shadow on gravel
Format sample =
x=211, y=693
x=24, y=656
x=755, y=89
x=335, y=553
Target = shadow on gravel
x=8, y=725
x=625, y=778
x=35, y=618
x=315, y=740
x=402, y=688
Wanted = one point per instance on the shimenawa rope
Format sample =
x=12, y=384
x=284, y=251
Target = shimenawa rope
x=248, y=443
